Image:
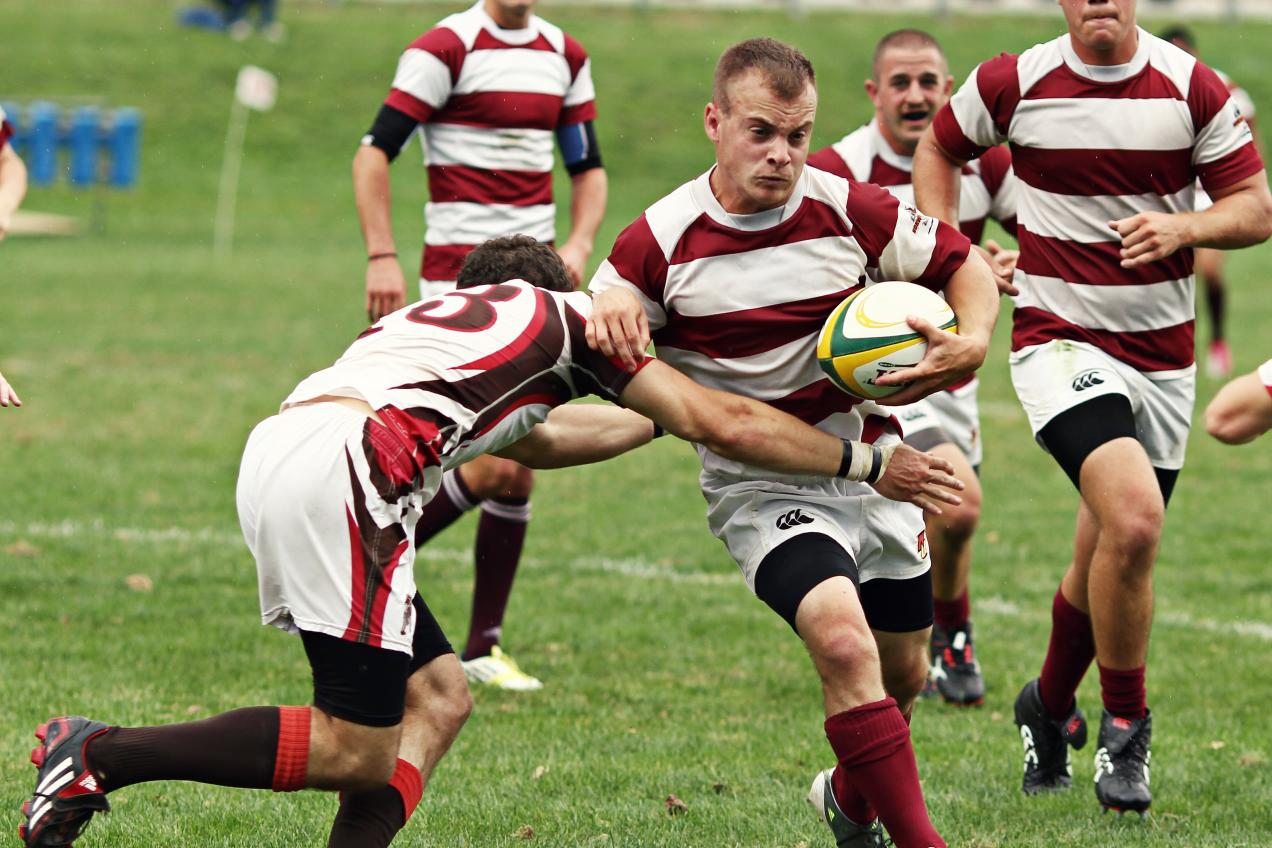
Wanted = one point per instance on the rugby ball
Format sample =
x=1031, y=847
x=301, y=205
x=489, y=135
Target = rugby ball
x=867, y=336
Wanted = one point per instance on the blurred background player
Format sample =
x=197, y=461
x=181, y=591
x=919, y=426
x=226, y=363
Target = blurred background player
x=735, y=272
x=328, y=491
x=1208, y=262
x=1102, y=337
x=910, y=82
x=1242, y=410
x=13, y=186
x=489, y=88
x=13, y=176
x=233, y=17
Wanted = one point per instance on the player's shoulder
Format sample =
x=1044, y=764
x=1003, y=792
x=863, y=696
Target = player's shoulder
x=561, y=41
x=667, y=218
x=1178, y=65
x=455, y=31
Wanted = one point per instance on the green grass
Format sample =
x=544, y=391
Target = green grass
x=144, y=363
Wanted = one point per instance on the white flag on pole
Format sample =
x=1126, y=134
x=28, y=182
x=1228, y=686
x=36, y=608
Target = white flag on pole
x=256, y=88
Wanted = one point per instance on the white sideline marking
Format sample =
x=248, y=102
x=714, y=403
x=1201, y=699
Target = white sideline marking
x=629, y=567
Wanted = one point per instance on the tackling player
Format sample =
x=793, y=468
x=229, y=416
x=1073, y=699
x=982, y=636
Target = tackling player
x=909, y=83
x=488, y=89
x=1110, y=129
x=735, y=272
x=1242, y=410
x=328, y=494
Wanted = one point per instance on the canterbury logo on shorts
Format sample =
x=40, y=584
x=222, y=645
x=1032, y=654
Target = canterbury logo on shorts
x=1087, y=379
x=794, y=518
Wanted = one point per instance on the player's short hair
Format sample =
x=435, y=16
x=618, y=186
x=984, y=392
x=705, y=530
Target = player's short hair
x=1180, y=34
x=904, y=39
x=516, y=257
x=786, y=69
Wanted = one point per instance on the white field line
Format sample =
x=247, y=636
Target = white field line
x=628, y=567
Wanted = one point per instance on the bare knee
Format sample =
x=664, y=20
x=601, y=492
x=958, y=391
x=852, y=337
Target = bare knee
x=958, y=523
x=1135, y=531
x=491, y=477
x=904, y=678
x=439, y=697
x=844, y=648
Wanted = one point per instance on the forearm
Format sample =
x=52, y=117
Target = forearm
x=936, y=180
x=13, y=181
x=755, y=433
x=1240, y=219
x=588, y=195
x=373, y=195
x=1240, y=412
x=578, y=434
x=973, y=295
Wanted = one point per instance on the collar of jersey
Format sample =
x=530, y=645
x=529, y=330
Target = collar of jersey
x=885, y=152
x=755, y=221
x=525, y=35
x=1107, y=73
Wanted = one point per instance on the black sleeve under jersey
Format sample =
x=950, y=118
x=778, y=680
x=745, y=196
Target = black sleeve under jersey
x=579, y=150
x=391, y=131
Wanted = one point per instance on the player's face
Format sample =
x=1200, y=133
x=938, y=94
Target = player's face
x=510, y=14
x=761, y=144
x=912, y=86
x=1103, y=31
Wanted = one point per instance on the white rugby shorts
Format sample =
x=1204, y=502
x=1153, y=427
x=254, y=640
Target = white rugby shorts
x=1058, y=375
x=955, y=413
x=885, y=538
x=332, y=556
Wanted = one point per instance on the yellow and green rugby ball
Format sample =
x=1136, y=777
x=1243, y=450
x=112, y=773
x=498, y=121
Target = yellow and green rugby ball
x=867, y=336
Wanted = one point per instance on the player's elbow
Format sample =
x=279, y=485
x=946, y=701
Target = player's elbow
x=1229, y=426
x=732, y=431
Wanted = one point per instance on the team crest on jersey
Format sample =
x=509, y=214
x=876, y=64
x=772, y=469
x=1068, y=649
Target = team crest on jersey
x=922, y=545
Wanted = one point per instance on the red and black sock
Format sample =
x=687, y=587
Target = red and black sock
x=1069, y=654
x=872, y=743
x=951, y=615
x=1124, y=692
x=372, y=819
x=452, y=500
x=252, y=748
x=501, y=534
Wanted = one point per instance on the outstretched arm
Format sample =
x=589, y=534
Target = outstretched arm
x=755, y=433
x=1241, y=412
x=578, y=434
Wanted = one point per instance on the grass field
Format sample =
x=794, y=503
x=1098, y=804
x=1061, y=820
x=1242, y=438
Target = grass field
x=143, y=364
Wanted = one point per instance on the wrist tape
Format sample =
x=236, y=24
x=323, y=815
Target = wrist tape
x=864, y=463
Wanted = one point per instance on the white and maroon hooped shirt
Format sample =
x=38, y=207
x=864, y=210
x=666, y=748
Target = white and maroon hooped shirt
x=736, y=301
x=1090, y=145
x=489, y=101
x=987, y=187
x=470, y=371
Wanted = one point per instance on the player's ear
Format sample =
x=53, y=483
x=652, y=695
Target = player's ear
x=872, y=89
x=711, y=121
x=949, y=85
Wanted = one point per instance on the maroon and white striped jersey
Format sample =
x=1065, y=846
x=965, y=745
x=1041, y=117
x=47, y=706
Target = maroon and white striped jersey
x=988, y=188
x=6, y=128
x=736, y=301
x=489, y=101
x=473, y=370
x=1090, y=145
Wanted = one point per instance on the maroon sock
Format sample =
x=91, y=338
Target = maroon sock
x=1069, y=655
x=872, y=742
x=453, y=499
x=253, y=748
x=1123, y=690
x=951, y=615
x=501, y=533
x=372, y=819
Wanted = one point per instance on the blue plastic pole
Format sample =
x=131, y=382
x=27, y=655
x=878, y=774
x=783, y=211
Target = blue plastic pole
x=82, y=140
x=123, y=142
x=41, y=158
